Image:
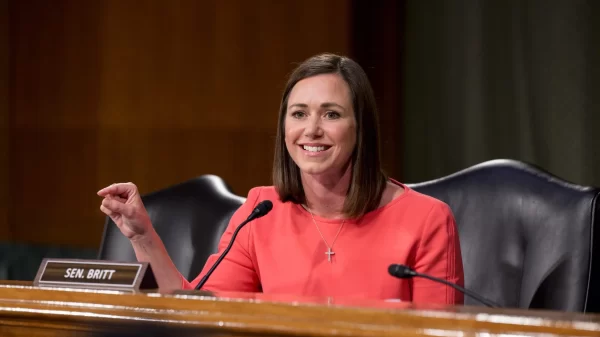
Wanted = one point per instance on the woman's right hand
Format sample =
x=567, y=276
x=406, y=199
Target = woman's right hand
x=123, y=204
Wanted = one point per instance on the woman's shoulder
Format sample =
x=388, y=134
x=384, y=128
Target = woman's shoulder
x=416, y=201
x=263, y=193
x=259, y=194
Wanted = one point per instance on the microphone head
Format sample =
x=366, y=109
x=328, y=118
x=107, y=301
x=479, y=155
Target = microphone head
x=401, y=271
x=262, y=208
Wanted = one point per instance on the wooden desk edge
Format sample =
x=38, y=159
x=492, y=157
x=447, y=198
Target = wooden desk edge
x=67, y=309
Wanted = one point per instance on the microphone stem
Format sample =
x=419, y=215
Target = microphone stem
x=214, y=266
x=459, y=288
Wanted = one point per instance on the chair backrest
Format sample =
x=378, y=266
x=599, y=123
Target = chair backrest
x=189, y=218
x=528, y=238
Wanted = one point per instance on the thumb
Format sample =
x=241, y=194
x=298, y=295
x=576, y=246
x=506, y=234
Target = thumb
x=117, y=198
x=124, y=190
x=117, y=207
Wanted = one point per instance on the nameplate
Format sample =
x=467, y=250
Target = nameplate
x=95, y=274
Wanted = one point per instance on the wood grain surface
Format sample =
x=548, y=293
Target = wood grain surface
x=53, y=312
x=154, y=92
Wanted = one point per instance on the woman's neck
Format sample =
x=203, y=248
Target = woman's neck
x=326, y=194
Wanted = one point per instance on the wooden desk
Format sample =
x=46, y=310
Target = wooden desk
x=29, y=311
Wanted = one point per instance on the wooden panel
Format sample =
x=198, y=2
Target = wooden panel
x=25, y=311
x=154, y=92
x=56, y=62
x=4, y=121
x=377, y=31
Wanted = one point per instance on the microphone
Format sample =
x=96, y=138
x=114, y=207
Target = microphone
x=402, y=271
x=260, y=210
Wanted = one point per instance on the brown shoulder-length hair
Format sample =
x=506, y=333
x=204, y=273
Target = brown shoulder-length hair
x=368, y=180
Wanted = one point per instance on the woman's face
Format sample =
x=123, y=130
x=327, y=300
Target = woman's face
x=320, y=128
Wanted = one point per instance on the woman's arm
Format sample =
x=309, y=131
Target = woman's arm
x=438, y=254
x=236, y=272
x=123, y=204
x=150, y=248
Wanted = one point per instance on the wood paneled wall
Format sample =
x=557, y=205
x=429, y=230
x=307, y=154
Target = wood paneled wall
x=154, y=92
x=4, y=121
x=377, y=35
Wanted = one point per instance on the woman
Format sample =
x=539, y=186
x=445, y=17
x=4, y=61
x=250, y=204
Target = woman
x=337, y=221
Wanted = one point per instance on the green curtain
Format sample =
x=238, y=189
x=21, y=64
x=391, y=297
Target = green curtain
x=495, y=79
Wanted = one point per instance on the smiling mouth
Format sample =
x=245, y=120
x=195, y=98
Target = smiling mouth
x=315, y=149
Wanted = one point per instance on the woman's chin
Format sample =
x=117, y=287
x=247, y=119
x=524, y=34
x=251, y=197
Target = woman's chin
x=323, y=169
x=315, y=170
x=320, y=170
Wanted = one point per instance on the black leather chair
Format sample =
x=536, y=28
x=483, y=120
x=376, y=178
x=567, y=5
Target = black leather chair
x=189, y=217
x=528, y=238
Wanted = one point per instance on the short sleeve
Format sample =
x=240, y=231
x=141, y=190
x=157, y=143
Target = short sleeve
x=438, y=254
x=236, y=272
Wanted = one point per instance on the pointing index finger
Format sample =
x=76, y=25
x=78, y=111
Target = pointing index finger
x=122, y=189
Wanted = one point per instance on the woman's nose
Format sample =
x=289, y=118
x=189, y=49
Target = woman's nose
x=313, y=128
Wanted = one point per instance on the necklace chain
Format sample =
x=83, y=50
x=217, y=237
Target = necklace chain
x=329, y=248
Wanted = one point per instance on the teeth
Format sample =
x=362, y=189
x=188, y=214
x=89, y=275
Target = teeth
x=314, y=148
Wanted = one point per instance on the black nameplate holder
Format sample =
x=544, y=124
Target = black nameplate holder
x=95, y=274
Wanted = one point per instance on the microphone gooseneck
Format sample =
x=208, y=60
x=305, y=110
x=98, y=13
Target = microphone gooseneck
x=402, y=271
x=260, y=210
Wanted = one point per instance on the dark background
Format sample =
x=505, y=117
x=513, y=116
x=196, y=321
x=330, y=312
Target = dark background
x=158, y=92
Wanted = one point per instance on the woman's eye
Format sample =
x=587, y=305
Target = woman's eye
x=332, y=115
x=298, y=114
